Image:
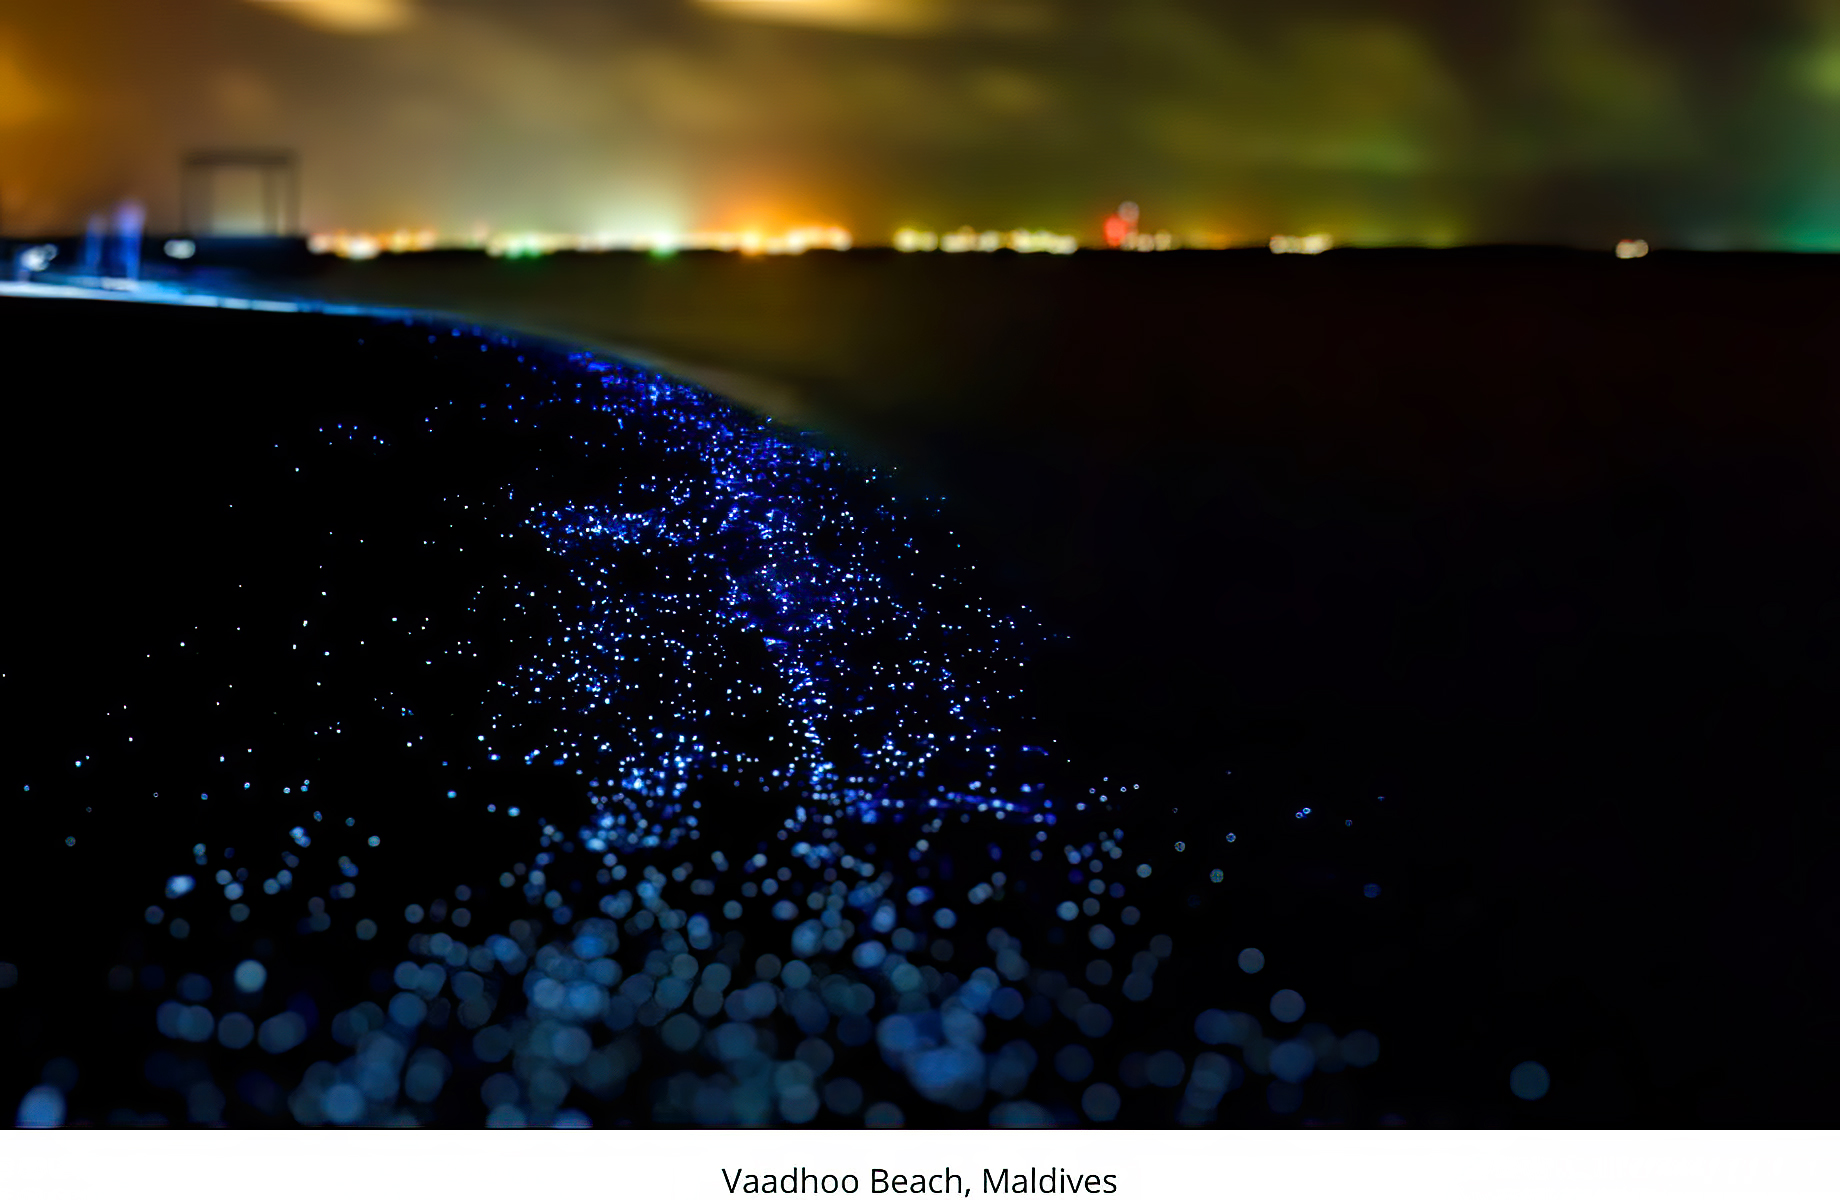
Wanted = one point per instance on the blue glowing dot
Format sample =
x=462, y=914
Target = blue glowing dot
x=1287, y=1005
x=1252, y=960
x=1360, y=1049
x=1292, y=1061
x=1529, y=1081
x=407, y=1009
x=343, y=1104
x=1100, y=1102
x=236, y=1031
x=1370, y=890
x=250, y=975
x=42, y=1108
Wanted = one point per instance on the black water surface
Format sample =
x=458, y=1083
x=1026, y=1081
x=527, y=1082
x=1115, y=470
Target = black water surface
x=1593, y=678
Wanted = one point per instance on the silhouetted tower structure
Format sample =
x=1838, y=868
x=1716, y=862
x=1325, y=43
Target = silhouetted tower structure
x=280, y=175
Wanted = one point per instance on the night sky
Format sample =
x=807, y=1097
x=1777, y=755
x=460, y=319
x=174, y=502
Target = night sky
x=1687, y=122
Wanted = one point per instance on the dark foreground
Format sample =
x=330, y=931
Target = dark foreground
x=1544, y=539
x=1542, y=552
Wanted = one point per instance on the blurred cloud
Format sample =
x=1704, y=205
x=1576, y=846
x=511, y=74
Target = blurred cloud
x=22, y=100
x=1006, y=91
x=1561, y=119
x=1355, y=94
x=1823, y=69
x=345, y=16
x=871, y=16
x=1591, y=93
x=245, y=100
x=898, y=17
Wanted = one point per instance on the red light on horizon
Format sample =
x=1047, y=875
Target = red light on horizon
x=1121, y=226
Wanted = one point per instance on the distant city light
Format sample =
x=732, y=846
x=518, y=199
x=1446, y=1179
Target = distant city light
x=1025, y=241
x=352, y=245
x=1121, y=232
x=1314, y=243
x=526, y=245
x=797, y=240
x=1162, y=239
x=966, y=240
x=403, y=241
x=1631, y=248
x=531, y=244
x=1121, y=226
x=36, y=258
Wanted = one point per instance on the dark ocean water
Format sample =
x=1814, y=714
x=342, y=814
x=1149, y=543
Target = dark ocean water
x=416, y=726
x=1502, y=651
